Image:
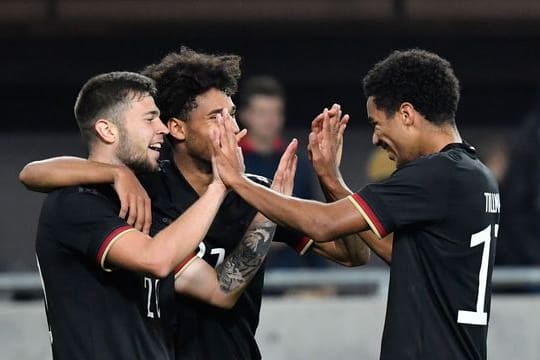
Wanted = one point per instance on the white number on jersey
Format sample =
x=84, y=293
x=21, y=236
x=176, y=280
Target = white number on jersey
x=480, y=317
x=152, y=288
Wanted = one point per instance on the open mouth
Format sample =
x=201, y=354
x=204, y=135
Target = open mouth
x=155, y=147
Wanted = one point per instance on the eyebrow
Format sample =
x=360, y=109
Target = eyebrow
x=154, y=113
x=371, y=120
x=217, y=111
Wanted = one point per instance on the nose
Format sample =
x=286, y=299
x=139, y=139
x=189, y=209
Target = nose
x=160, y=127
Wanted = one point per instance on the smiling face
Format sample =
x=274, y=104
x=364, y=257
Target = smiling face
x=395, y=134
x=194, y=134
x=141, y=135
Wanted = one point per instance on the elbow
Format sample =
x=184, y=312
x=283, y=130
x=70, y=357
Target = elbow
x=355, y=261
x=31, y=178
x=363, y=259
x=159, y=272
x=226, y=304
x=25, y=176
x=158, y=268
x=321, y=230
x=224, y=301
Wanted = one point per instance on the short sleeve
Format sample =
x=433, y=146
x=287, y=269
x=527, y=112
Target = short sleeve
x=88, y=224
x=415, y=193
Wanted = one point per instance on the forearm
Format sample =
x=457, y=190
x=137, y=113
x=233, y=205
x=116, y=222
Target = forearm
x=350, y=250
x=309, y=217
x=50, y=174
x=236, y=272
x=178, y=240
x=199, y=280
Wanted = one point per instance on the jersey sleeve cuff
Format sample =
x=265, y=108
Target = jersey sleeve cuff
x=368, y=214
x=303, y=246
x=184, y=265
x=109, y=242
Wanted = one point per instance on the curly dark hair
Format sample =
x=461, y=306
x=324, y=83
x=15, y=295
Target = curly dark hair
x=417, y=76
x=182, y=76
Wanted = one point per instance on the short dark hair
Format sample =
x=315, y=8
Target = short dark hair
x=182, y=76
x=417, y=76
x=107, y=96
x=260, y=85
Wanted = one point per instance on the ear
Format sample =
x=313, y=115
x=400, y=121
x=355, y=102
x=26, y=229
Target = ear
x=407, y=113
x=106, y=131
x=177, y=128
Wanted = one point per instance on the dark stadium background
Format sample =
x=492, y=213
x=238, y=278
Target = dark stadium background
x=319, y=49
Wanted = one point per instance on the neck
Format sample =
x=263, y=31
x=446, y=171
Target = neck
x=197, y=172
x=440, y=136
x=103, y=156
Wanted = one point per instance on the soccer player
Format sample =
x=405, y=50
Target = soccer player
x=439, y=210
x=105, y=282
x=194, y=90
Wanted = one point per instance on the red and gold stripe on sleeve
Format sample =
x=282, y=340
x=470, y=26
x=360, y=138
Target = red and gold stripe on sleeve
x=368, y=214
x=178, y=270
x=109, y=242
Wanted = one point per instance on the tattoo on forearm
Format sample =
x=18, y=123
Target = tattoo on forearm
x=240, y=266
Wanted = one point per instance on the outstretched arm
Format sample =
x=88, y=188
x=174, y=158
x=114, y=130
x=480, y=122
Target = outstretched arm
x=321, y=222
x=223, y=286
x=50, y=174
x=325, y=149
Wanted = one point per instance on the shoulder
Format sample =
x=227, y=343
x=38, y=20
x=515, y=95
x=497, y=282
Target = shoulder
x=79, y=199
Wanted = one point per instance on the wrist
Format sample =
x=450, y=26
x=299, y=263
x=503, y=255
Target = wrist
x=335, y=187
x=218, y=189
x=117, y=172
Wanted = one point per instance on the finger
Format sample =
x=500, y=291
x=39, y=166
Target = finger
x=124, y=205
x=139, y=219
x=326, y=123
x=132, y=210
x=279, y=183
x=147, y=215
x=288, y=178
x=215, y=140
x=315, y=147
x=227, y=132
x=241, y=135
x=343, y=124
x=316, y=123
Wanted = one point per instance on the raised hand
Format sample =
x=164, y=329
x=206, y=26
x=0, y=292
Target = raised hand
x=284, y=176
x=227, y=159
x=135, y=203
x=326, y=142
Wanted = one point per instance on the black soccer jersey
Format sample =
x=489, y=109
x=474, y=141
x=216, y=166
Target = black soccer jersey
x=443, y=210
x=205, y=332
x=95, y=312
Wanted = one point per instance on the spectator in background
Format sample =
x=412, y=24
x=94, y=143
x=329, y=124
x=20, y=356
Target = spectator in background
x=519, y=238
x=262, y=112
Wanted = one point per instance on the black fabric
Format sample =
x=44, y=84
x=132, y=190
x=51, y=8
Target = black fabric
x=203, y=331
x=94, y=314
x=435, y=206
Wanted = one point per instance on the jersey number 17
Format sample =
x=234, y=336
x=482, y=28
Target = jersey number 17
x=480, y=317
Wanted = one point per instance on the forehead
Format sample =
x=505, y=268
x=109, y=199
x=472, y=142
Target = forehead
x=211, y=100
x=142, y=104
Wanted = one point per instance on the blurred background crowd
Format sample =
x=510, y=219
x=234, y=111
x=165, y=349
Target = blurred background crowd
x=299, y=56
